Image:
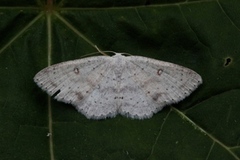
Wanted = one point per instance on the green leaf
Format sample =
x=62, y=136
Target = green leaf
x=202, y=35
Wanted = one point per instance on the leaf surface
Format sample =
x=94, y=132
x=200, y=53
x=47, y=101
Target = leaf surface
x=201, y=35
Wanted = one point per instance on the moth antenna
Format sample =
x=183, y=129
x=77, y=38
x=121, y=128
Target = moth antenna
x=100, y=51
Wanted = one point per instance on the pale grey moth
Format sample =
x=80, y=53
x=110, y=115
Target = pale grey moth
x=104, y=86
